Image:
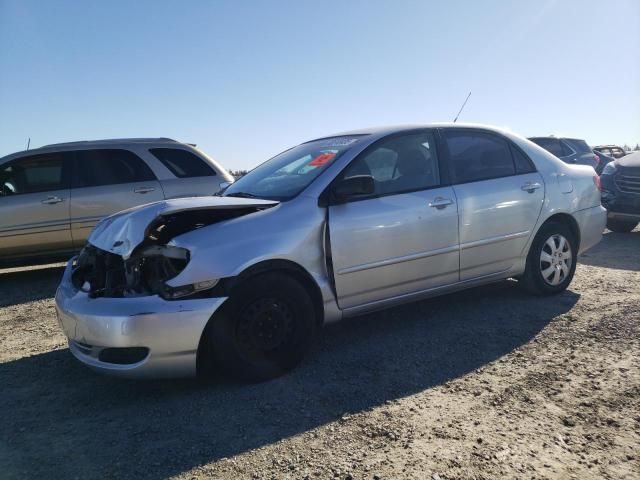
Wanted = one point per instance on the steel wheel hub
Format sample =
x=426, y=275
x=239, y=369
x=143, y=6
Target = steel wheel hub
x=266, y=324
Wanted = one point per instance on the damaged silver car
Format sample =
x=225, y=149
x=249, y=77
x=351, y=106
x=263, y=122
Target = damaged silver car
x=239, y=284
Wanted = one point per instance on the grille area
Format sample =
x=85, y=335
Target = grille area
x=628, y=183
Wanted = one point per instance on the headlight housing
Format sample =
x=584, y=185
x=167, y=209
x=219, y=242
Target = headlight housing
x=609, y=169
x=172, y=293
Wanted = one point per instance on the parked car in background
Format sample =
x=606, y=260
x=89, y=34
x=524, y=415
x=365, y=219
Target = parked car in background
x=603, y=160
x=569, y=150
x=620, y=181
x=611, y=150
x=329, y=229
x=52, y=197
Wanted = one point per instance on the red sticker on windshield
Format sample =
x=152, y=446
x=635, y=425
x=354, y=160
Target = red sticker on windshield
x=322, y=159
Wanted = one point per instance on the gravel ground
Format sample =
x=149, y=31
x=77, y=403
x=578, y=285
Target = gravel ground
x=487, y=383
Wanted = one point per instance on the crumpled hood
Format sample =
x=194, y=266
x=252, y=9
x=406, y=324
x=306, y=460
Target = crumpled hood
x=122, y=232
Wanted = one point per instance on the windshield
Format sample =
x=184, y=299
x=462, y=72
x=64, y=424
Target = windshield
x=287, y=174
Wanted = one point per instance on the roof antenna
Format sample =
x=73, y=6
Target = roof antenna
x=28, y=143
x=465, y=102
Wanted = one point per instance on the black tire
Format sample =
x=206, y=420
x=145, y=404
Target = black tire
x=620, y=226
x=534, y=279
x=262, y=331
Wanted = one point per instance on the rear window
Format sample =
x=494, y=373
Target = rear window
x=579, y=146
x=182, y=163
x=551, y=145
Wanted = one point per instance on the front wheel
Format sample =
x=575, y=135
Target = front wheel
x=551, y=262
x=262, y=331
x=620, y=226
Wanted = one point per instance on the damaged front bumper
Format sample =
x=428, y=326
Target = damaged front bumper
x=143, y=336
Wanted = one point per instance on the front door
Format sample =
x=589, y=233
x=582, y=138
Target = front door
x=34, y=206
x=105, y=182
x=403, y=238
x=500, y=196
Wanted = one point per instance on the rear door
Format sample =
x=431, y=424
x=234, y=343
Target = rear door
x=404, y=237
x=34, y=205
x=499, y=195
x=106, y=181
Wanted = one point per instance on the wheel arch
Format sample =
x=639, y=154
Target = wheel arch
x=288, y=267
x=564, y=219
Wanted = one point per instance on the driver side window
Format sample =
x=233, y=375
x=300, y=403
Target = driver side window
x=399, y=164
x=37, y=173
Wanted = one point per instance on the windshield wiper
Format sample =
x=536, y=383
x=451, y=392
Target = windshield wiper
x=241, y=195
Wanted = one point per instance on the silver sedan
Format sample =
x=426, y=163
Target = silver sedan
x=240, y=283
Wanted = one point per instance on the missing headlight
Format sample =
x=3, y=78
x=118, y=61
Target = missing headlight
x=104, y=274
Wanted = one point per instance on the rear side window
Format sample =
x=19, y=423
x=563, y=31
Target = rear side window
x=475, y=156
x=37, y=173
x=182, y=163
x=522, y=162
x=95, y=168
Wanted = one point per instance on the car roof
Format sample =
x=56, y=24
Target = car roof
x=381, y=131
x=78, y=145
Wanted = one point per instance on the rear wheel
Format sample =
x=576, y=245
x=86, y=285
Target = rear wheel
x=551, y=262
x=263, y=330
x=621, y=226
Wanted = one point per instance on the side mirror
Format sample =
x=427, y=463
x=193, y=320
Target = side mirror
x=353, y=186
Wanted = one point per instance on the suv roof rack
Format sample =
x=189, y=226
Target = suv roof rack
x=113, y=140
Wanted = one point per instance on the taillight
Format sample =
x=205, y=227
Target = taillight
x=596, y=182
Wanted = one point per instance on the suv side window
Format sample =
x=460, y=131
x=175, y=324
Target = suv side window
x=475, y=156
x=551, y=145
x=399, y=164
x=95, y=168
x=36, y=173
x=182, y=163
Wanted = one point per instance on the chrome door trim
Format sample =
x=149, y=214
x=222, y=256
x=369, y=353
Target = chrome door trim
x=394, y=260
x=490, y=240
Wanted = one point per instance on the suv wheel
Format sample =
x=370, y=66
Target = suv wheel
x=551, y=261
x=621, y=226
x=263, y=330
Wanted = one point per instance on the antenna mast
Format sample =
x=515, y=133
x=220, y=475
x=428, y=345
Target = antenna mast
x=465, y=102
x=29, y=143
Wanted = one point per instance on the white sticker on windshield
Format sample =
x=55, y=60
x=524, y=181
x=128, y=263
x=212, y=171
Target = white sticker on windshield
x=338, y=141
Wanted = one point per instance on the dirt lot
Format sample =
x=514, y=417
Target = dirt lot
x=488, y=383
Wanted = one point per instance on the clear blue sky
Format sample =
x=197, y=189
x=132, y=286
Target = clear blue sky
x=244, y=80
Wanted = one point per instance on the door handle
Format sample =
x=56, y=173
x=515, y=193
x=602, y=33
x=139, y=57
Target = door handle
x=440, y=202
x=51, y=200
x=531, y=186
x=143, y=189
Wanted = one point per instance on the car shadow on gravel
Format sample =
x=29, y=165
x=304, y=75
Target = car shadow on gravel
x=59, y=419
x=28, y=285
x=616, y=250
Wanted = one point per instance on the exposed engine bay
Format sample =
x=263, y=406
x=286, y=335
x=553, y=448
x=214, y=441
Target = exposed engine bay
x=145, y=271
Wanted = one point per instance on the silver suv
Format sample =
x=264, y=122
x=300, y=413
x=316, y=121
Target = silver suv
x=329, y=229
x=52, y=197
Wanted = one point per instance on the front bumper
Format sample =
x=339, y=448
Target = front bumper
x=164, y=335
